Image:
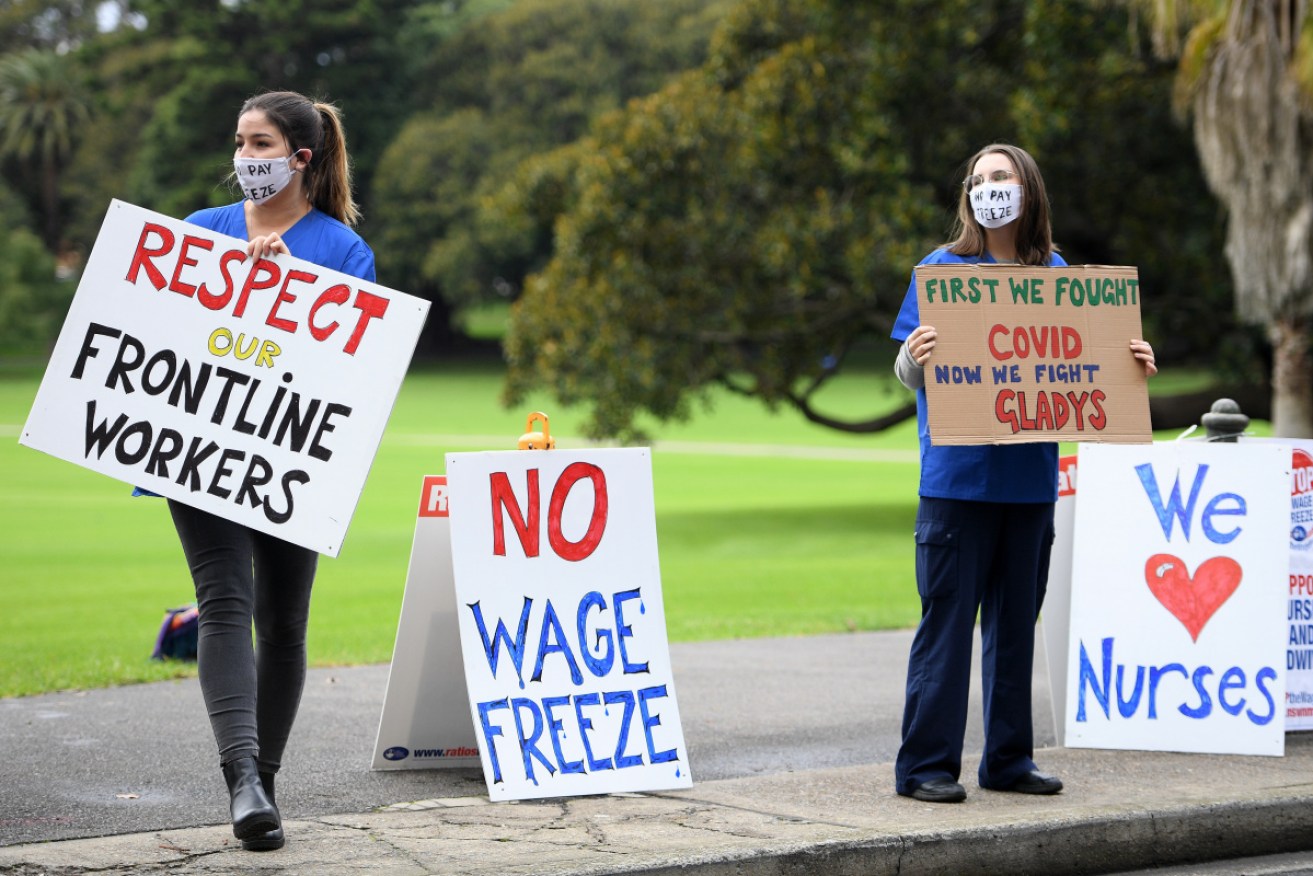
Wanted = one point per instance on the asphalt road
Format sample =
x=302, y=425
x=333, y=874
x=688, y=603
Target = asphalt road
x=139, y=758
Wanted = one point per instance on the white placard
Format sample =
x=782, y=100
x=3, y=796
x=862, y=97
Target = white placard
x=254, y=390
x=1055, y=614
x=1299, y=605
x=1179, y=579
x=426, y=721
x=562, y=623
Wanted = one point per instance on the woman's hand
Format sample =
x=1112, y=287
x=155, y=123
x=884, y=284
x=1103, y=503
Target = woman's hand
x=922, y=341
x=265, y=245
x=1142, y=351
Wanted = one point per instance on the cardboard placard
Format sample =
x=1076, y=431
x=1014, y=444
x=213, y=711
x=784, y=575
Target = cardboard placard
x=1033, y=354
x=1179, y=581
x=562, y=624
x=255, y=390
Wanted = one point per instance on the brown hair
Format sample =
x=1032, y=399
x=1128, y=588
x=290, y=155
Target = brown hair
x=306, y=124
x=1034, y=232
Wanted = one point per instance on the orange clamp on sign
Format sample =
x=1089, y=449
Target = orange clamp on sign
x=531, y=440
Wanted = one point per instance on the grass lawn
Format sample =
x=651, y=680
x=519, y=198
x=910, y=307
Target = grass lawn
x=750, y=544
x=767, y=525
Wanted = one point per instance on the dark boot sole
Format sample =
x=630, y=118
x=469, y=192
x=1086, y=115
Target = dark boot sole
x=265, y=843
x=254, y=826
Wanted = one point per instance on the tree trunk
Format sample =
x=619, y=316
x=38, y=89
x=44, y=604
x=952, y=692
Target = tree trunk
x=1292, y=378
x=1253, y=134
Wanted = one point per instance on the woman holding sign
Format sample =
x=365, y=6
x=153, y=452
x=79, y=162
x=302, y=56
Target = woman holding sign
x=984, y=524
x=292, y=165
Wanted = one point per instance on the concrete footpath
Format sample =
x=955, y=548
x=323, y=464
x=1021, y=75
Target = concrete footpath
x=790, y=743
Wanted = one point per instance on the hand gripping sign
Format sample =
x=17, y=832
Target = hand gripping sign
x=562, y=624
x=256, y=390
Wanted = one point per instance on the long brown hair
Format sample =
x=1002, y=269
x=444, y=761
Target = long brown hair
x=1034, y=232
x=307, y=124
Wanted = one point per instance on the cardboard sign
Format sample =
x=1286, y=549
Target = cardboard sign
x=1299, y=604
x=1179, y=580
x=254, y=390
x=561, y=622
x=425, y=723
x=1033, y=354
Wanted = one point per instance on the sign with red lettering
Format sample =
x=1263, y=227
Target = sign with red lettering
x=1033, y=354
x=562, y=625
x=256, y=390
x=1299, y=603
x=1179, y=579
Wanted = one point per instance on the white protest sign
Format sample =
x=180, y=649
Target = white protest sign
x=562, y=624
x=254, y=390
x=1055, y=614
x=1179, y=574
x=426, y=721
x=1299, y=605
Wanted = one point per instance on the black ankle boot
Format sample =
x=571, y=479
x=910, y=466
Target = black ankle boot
x=274, y=839
x=253, y=813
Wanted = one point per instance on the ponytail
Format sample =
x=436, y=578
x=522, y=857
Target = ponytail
x=318, y=127
x=329, y=177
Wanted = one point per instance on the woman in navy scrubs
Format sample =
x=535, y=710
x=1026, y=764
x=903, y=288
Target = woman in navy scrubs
x=984, y=524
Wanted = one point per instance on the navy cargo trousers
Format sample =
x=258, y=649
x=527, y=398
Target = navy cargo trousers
x=991, y=558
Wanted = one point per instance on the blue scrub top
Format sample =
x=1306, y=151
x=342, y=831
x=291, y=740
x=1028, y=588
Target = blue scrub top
x=316, y=237
x=984, y=472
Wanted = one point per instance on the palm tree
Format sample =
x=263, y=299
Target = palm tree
x=42, y=107
x=1245, y=76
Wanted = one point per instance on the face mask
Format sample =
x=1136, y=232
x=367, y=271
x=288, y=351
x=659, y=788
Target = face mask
x=262, y=178
x=996, y=204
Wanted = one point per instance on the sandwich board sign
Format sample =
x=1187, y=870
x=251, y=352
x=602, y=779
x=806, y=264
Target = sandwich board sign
x=1299, y=604
x=426, y=721
x=562, y=624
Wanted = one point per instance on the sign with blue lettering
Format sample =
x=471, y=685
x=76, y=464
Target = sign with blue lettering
x=1179, y=571
x=562, y=625
x=1299, y=605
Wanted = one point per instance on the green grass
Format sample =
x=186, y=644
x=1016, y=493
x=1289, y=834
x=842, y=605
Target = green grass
x=750, y=545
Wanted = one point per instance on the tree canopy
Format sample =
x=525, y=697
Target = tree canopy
x=755, y=222
x=682, y=195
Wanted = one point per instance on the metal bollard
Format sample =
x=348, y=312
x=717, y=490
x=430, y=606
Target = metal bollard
x=1224, y=422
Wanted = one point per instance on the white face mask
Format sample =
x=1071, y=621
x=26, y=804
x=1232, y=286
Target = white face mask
x=996, y=204
x=262, y=178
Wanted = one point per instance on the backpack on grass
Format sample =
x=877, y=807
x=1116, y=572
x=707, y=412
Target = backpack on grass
x=178, y=633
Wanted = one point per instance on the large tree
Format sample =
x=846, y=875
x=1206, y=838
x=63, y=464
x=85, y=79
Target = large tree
x=32, y=301
x=1246, y=77
x=171, y=85
x=501, y=83
x=754, y=224
x=43, y=108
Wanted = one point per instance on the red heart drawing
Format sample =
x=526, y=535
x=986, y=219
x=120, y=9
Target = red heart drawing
x=1192, y=600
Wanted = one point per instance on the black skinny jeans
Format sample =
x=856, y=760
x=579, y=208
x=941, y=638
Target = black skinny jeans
x=252, y=692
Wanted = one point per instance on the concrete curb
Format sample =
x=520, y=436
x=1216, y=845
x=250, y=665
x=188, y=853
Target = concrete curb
x=1120, y=810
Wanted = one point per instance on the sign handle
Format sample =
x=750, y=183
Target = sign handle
x=531, y=440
